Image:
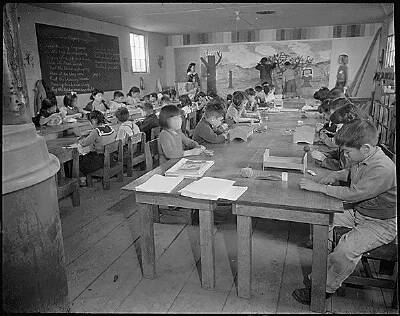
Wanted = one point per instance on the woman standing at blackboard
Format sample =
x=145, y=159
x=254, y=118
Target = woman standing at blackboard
x=192, y=75
x=97, y=102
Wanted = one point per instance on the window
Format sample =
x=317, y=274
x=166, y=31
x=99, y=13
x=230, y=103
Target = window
x=139, y=53
x=389, y=58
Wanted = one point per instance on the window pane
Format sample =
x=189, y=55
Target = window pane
x=141, y=41
x=141, y=53
x=143, y=65
x=136, y=40
x=131, y=39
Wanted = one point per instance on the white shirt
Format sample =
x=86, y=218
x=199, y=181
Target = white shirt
x=127, y=129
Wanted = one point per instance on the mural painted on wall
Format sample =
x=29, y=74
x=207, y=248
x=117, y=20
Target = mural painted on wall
x=309, y=60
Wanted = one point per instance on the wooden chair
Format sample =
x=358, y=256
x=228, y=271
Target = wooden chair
x=384, y=254
x=108, y=171
x=135, y=152
x=67, y=186
x=191, y=123
x=155, y=131
x=151, y=155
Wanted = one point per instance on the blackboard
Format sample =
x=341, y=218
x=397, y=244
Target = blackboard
x=74, y=60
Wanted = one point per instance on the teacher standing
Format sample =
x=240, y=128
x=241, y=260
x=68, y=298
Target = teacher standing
x=265, y=67
x=192, y=75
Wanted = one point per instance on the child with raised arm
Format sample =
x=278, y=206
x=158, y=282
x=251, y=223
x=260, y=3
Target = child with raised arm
x=208, y=129
x=172, y=143
x=372, y=191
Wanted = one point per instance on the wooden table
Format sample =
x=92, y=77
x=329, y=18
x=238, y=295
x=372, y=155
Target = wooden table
x=266, y=199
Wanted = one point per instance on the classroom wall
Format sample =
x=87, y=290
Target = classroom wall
x=29, y=15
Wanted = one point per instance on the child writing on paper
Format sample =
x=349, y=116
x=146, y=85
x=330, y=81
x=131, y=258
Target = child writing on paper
x=48, y=114
x=208, y=129
x=133, y=96
x=102, y=134
x=252, y=105
x=97, y=102
x=236, y=112
x=172, y=143
x=372, y=191
x=117, y=102
x=70, y=107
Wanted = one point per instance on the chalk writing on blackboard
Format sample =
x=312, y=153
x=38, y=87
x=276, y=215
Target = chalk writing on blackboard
x=78, y=60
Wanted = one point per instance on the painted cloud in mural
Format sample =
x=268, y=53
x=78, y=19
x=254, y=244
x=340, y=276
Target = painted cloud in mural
x=240, y=55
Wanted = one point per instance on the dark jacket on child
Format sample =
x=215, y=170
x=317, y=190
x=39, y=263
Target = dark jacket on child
x=147, y=124
x=204, y=133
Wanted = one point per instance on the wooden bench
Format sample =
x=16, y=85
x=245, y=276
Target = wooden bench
x=108, y=171
x=135, y=152
x=385, y=253
x=67, y=186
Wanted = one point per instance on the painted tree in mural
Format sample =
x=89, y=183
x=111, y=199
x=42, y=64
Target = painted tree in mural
x=211, y=67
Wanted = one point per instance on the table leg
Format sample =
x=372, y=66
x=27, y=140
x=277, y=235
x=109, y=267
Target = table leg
x=147, y=241
x=319, y=268
x=206, y=225
x=244, y=255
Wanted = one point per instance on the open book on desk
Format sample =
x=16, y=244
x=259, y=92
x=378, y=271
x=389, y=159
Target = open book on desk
x=213, y=189
x=189, y=168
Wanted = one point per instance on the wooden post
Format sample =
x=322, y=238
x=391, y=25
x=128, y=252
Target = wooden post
x=319, y=268
x=206, y=226
x=244, y=255
x=34, y=274
x=230, y=79
x=147, y=241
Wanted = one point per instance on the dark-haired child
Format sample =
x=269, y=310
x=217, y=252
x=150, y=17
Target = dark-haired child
x=70, y=107
x=236, y=112
x=185, y=104
x=102, y=134
x=97, y=102
x=118, y=101
x=133, y=96
x=48, y=113
x=172, y=143
x=208, y=129
x=252, y=105
x=164, y=100
x=372, y=191
x=150, y=121
x=125, y=127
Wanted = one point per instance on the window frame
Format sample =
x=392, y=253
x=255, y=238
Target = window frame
x=146, y=53
x=390, y=54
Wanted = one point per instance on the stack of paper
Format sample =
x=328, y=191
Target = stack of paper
x=189, y=168
x=160, y=184
x=213, y=189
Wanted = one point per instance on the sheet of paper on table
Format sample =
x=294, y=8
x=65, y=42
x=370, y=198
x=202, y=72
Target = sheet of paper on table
x=213, y=189
x=304, y=134
x=189, y=168
x=160, y=184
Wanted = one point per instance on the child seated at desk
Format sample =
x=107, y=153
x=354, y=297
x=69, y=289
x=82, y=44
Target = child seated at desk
x=151, y=120
x=185, y=104
x=164, y=100
x=133, y=96
x=70, y=107
x=48, y=113
x=260, y=94
x=102, y=134
x=97, y=102
x=209, y=130
x=269, y=90
x=117, y=102
x=172, y=143
x=236, y=112
x=372, y=191
x=252, y=104
x=125, y=128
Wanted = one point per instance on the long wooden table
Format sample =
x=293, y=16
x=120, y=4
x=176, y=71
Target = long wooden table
x=266, y=199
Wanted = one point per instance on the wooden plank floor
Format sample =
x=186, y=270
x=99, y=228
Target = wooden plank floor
x=104, y=275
